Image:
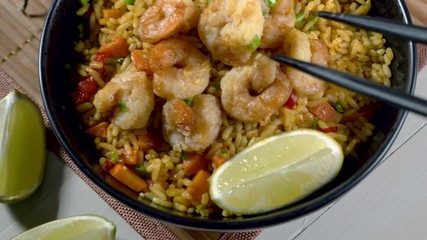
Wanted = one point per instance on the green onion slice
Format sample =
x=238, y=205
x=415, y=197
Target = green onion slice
x=256, y=41
x=300, y=17
x=84, y=2
x=189, y=101
x=338, y=107
x=114, y=157
x=122, y=107
x=183, y=155
x=271, y=3
x=141, y=170
x=129, y=2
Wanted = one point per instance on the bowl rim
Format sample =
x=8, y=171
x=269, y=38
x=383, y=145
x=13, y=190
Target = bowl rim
x=200, y=223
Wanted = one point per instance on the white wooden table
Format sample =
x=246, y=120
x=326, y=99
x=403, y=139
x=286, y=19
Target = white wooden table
x=390, y=203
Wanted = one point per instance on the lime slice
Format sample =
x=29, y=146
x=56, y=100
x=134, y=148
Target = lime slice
x=81, y=227
x=22, y=147
x=276, y=172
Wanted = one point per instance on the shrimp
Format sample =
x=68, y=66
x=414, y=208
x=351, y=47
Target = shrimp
x=191, y=128
x=129, y=95
x=281, y=18
x=179, y=69
x=167, y=17
x=297, y=45
x=231, y=29
x=237, y=87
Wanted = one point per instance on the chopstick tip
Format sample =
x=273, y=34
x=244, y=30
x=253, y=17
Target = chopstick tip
x=325, y=14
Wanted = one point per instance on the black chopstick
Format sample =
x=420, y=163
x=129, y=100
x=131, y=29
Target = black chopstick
x=360, y=85
x=382, y=25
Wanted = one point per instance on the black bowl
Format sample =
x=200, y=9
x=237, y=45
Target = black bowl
x=56, y=52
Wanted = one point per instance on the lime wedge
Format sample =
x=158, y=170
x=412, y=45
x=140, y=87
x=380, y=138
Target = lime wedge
x=81, y=227
x=22, y=147
x=276, y=172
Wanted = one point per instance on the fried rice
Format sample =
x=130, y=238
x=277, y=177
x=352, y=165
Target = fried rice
x=351, y=49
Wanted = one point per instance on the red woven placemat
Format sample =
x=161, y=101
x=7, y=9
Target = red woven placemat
x=149, y=228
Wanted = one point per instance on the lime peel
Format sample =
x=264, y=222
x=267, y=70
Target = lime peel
x=276, y=172
x=22, y=147
x=82, y=227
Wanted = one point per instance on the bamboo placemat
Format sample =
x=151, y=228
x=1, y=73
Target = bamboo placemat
x=19, y=46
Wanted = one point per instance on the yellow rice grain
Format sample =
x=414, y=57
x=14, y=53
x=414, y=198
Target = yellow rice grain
x=162, y=202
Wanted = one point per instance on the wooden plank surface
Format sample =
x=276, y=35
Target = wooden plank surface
x=19, y=46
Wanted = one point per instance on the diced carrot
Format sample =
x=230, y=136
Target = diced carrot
x=220, y=157
x=99, y=130
x=200, y=185
x=148, y=141
x=141, y=60
x=194, y=163
x=366, y=112
x=119, y=186
x=130, y=158
x=117, y=48
x=325, y=112
x=111, y=13
x=128, y=178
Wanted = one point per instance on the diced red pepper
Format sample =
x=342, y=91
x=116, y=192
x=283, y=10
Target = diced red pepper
x=107, y=165
x=85, y=90
x=291, y=102
x=100, y=57
x=329, y=129
x=367, y=112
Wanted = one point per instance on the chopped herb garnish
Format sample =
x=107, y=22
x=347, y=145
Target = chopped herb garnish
x=299, y=20
x=114, y=157
x=111, y=60
x=183, y=155
x=84, y=2
x=141, y=170
x=271, y=3
x=115, y=60
x=300, y=17
x=313, y=19
x=80, y=27
x=254, y=44
x=122, y=107
x=67, y=66
x=223, y=153
x=129, y=2
x=315, y=123
x=189, y=101
x=338, y=107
